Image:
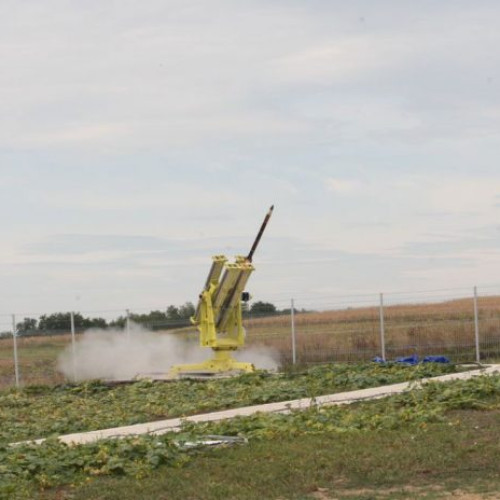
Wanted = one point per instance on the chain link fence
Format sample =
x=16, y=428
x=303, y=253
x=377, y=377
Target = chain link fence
x=461, y=325
x=388, y=326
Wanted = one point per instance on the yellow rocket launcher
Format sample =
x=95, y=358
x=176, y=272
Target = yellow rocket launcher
x=218, y=314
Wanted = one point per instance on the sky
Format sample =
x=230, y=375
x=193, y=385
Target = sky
x=139, y=138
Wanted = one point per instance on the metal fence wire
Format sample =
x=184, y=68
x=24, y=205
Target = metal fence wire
x=464, y=329
x=463, y=325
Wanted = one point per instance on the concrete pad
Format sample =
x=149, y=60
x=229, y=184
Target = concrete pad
x=174, y=424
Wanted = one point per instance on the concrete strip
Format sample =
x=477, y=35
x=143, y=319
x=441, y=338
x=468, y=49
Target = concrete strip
x=174, y=424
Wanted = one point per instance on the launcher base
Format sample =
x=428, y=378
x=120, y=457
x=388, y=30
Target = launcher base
x=221, y=362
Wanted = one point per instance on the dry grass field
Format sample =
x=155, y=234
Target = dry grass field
x=354, y=334
x=37, y=359
x=340, y=335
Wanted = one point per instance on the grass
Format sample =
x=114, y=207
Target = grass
x=345, y=335
x=37, y=359
x=397, y=464
x=436, y=442
x=354, y=334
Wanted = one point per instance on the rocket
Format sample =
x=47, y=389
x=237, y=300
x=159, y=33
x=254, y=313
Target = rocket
x=260, y=233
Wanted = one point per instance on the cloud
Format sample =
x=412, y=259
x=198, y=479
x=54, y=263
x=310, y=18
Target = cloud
x=165, y=195
x=90, y=243
x=77, y=134
x=137, y=142
x=445, y=246
x=462, y=195
x=343, y=186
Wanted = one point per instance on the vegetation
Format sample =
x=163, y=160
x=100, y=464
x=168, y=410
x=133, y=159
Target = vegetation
x=353, y=334
x=426, y=436
x=37, y=359
x=408, y=461
x=42, y=411
x=402, y=463
x=51, y=323
x=173, y=317
x=260, y=308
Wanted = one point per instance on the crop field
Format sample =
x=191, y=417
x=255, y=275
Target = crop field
x=37, y=359
x=347, y=335
x=445, y=328
x=431, y=440
x=41, y=411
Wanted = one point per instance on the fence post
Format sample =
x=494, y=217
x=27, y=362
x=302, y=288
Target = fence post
x=14, y=339
x=476, y=327
x=73, y=343
x=292, y=320
x=127, y=323
x=382, y=327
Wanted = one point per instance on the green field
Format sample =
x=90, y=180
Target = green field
x=428, y=441
x=399, y=463
x=43, y=411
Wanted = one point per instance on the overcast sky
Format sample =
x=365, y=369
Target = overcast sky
x=138, y=138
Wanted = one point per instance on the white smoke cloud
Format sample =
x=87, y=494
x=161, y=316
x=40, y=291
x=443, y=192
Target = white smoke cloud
x=119, y=355
x=263, y=358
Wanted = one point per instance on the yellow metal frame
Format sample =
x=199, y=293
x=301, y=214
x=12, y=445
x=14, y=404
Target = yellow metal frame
x=219, y=318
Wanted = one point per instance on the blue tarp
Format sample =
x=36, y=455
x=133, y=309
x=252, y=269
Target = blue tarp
x=413, y=359
x=435, y=359
x=408, y=360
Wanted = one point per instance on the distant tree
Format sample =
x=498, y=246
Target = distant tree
x=27, y=325
x=155, y=320
x=95, y=323
x=152, y=320
x=62, y=322
x=159, y=320
x=173, y=313
x=263, y=309
x=118, y=322
x=187, y=310
x=57, y=321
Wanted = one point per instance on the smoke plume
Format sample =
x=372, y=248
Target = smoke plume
x=118, y=355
